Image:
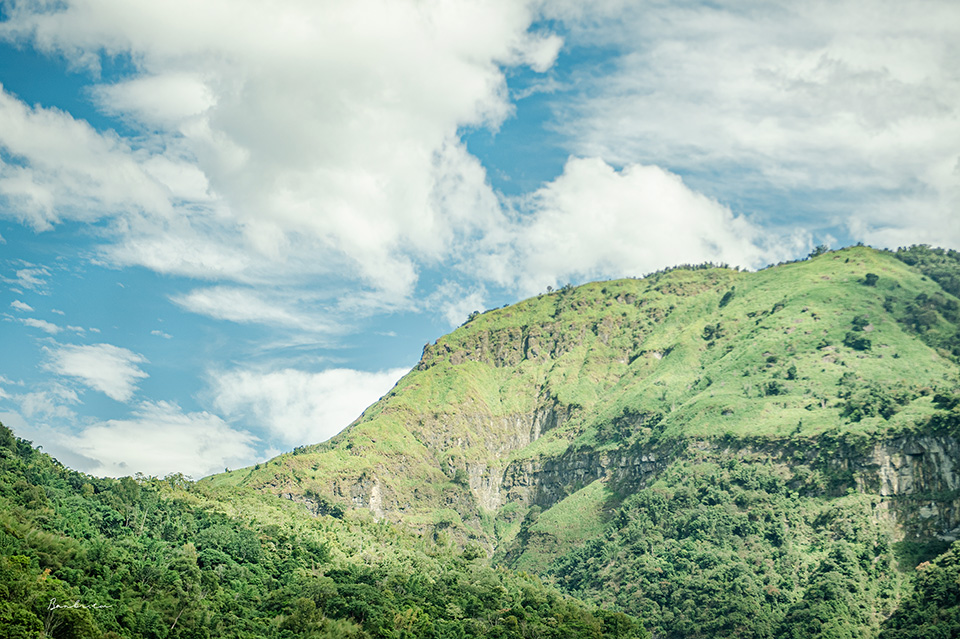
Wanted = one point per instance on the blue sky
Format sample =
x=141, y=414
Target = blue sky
x=228, y=227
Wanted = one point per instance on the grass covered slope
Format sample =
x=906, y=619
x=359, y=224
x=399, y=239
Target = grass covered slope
x=697, y=448
x=700, y=449
x=853, y=341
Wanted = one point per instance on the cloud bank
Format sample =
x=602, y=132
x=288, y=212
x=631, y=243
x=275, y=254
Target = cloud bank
x=853, y=104
x=159, y=439
x=317, y=144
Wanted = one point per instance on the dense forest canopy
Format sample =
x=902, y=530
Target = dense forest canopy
x=156, y=558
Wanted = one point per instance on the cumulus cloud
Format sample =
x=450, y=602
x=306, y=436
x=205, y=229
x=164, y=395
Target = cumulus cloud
x=54, y=400
x=854, y=102
x=67, y=169
x=109, y=369
x=158, y=439
x=594, y=221
x=317, y=144
x=31, y=277
x=158, y=101
x=304, y=137
x=456, y=303
x=299, y=407
x=21, y=306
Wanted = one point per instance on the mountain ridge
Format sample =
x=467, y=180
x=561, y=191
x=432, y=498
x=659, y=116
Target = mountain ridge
x=496, y=388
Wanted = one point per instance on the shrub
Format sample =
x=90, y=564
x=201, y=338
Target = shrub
x=857, y=341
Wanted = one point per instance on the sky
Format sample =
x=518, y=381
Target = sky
x=228, y=226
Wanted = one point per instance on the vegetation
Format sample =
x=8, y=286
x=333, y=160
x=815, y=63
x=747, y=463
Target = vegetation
x=702, y=452
x=935, y=317
x=149, y=558
x=933, y=608
x=732, y=546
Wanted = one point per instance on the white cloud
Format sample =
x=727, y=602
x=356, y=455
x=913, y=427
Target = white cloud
x=159, y=333
x=21, y=306
x=456, y=303
x=159, y=439
x=52, y=401
x=43, y=325
x=161, y=101
x=32, y=277
x=856, y=102
x=594, y=221
x=245, y=306
x=299, y=407
x=67, y=170
x=309, y=138
x=109, y=369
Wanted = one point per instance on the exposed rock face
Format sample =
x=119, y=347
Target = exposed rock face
x=917, y=465
x=544, y=482
x=499, y=436
x=924, y=473
x=919, y=476
x=509, y=346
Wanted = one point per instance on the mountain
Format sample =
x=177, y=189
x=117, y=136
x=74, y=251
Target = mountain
x=702, y=452
x=524, y=404
x=719, y=452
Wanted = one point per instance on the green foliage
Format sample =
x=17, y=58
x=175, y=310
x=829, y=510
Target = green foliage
x=159, y=559
x=940, y=265
x=694, y=465
x=712, y=332
x=946, y=419
x=773, y=387
x=932, y=610
x=935, y=316
x=857, y=341
x=728, y=296
x=863, y=399
x=727, y=548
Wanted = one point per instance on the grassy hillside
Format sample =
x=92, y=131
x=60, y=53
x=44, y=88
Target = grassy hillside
x=693, y=447
x=795, y=351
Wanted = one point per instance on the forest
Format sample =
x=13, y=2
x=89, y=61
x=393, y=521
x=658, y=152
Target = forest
x=86, y=557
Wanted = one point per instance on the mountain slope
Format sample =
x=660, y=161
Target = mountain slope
x=788, y=436
x=797, y=351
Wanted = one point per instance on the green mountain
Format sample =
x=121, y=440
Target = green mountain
x=702, y=452
x=645, y=443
